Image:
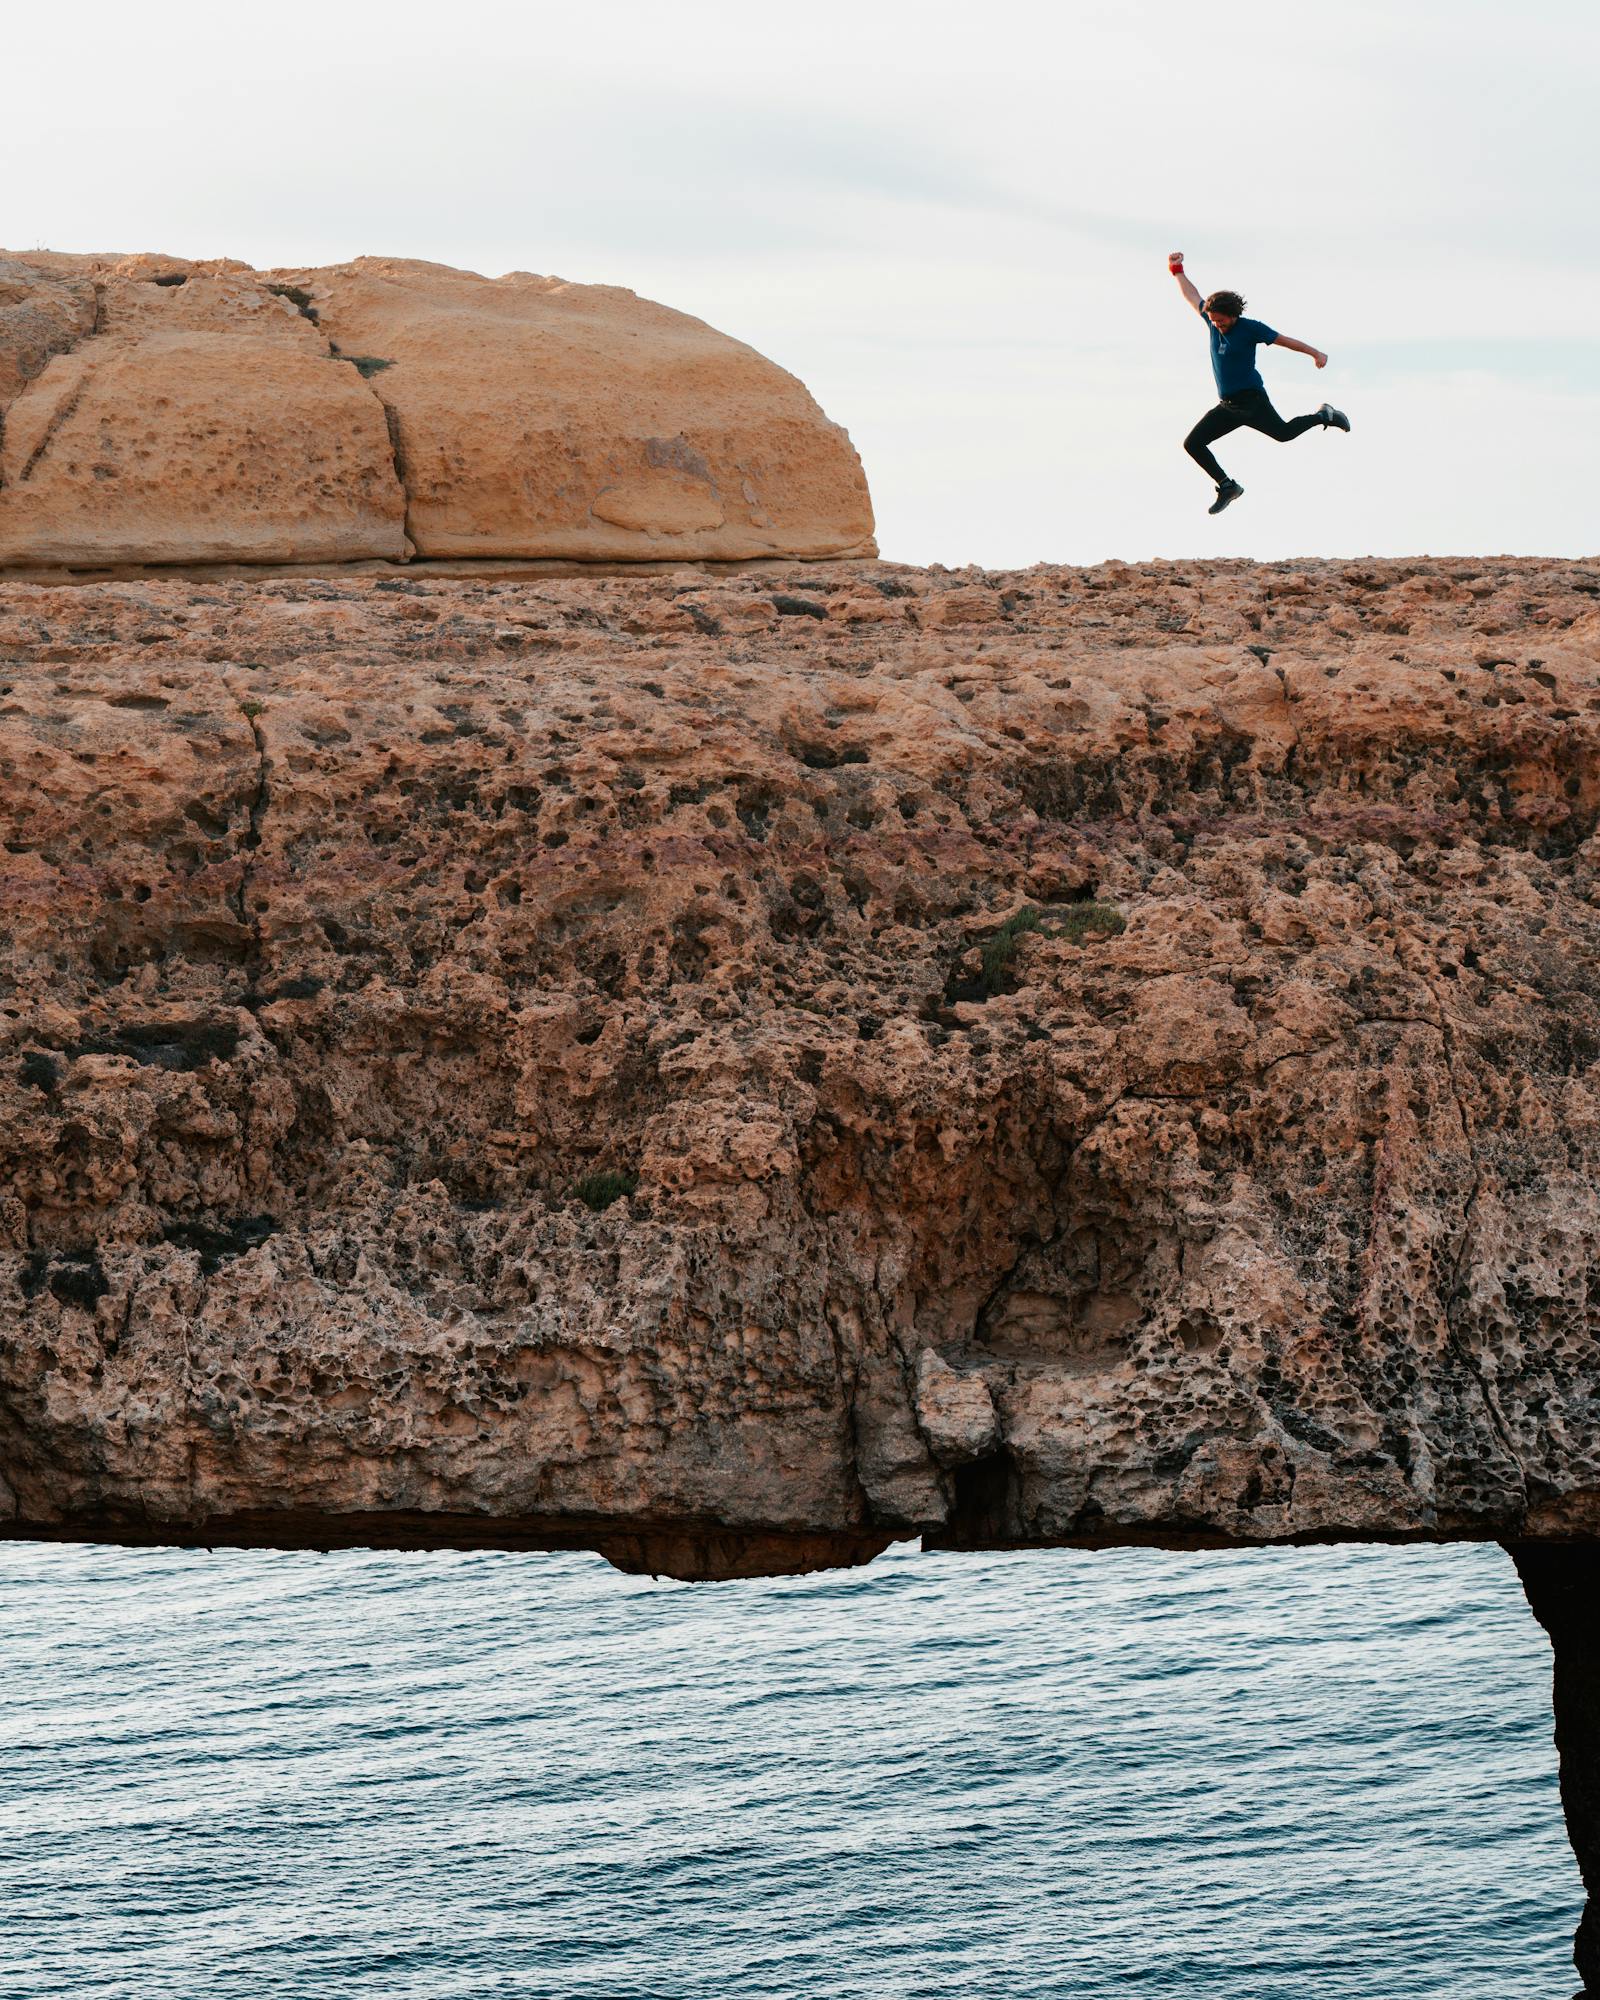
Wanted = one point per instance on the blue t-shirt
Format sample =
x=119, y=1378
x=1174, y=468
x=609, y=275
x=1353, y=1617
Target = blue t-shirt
x=1233, y=355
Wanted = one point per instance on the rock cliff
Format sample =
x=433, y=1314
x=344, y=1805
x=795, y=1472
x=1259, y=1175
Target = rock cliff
x=156, y=410
x=732, y=1069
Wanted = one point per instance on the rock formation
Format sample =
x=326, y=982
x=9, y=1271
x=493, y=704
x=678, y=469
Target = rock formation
x=1103, y=1056
x=1562, y=1581
x=730, y=1069
x=158, y=411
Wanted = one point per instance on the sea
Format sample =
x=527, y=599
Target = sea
x=1247, y=1776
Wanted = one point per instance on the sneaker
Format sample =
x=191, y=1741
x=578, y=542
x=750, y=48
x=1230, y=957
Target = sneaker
x=1333, y=420
x=1227, y=493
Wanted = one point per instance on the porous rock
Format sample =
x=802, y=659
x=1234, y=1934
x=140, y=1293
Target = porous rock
x=955, y=1411
x=549, y=1062
x=194, y=422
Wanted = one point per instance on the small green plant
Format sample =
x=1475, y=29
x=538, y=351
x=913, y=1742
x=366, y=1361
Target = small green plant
x=600, y=1190
x=366, y=365
x=1076, y=923
x=300, y=300
x=252, y=708
x=999, y=950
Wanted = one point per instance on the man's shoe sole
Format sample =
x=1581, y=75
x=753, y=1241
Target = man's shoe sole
x=1225, y=498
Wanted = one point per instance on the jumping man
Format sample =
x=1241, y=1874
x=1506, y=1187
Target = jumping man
x=1244, y=399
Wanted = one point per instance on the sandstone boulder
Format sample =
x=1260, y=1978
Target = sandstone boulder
x=158, y=411
x=40, y=314
x=199, y=418
x=536, y=417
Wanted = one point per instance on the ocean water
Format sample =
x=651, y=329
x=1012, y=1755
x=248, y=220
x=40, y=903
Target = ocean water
x=250, y=1775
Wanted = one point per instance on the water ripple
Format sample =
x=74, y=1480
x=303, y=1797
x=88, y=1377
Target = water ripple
x=254, y=1776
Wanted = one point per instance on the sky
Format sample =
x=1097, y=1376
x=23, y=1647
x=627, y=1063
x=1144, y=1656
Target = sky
x=951, y=222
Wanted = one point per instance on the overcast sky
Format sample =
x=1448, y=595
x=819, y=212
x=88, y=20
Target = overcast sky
x=950, y=221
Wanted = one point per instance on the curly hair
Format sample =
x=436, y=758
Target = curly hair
x=1225, y=302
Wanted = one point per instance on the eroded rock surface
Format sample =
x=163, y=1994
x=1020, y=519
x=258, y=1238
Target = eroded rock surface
x=1097, y=1056
x=159, y=411
x=192, y=423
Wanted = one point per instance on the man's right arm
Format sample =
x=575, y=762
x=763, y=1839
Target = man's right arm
x=1189, y=290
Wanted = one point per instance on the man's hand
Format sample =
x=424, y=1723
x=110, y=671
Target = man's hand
x=1300, y=347
x=1175, y=266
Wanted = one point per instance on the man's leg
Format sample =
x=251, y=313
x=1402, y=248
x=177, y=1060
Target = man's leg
x=1255, y=409
x=1216, y=423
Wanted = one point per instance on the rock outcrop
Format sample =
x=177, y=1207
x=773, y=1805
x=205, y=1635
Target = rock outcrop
x=1081, y=1057
x=158, y=411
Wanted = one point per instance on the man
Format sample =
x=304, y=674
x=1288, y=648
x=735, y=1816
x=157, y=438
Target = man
x=1244, y=400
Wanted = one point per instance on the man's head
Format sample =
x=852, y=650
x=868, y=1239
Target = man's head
x=1222, y=309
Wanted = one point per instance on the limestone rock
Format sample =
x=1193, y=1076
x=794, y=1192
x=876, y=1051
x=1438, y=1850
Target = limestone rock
x=955, y=1412
x=159, y=411
x=196, y=418
x=542, y=1063
x=40, y=315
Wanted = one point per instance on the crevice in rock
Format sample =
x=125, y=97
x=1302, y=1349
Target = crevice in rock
x=366, y=367
x=848, y=1375
x=216, y=1244
x=397, y=448
x=166, y=1044
x=73, y=1277
x=300, y=300
x=58, y=417
x=47, y=328
x=1453, y=1291
x=1291, y=757
x=983, y=1504
x=1029, y=1242
x=251, y=710
x=125, y=1325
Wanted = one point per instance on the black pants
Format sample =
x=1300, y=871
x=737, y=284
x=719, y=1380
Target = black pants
x=1252, y=410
